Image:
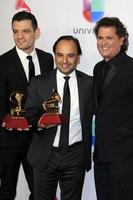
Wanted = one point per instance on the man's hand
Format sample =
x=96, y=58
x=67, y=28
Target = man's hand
x=18, y=129
x=46, y=125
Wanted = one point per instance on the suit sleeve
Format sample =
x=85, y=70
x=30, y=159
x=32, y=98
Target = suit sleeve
x=4, y=99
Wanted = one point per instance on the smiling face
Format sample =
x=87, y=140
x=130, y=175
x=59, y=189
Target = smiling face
x=66, y=56
x=24, y=35
x=108, y=42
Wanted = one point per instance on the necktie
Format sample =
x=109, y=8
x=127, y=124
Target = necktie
x=64, y=134
x=31, y=68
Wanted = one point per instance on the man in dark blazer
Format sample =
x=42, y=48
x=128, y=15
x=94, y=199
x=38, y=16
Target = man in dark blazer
x=53, y=162
x=113, y=97
x=14, y=77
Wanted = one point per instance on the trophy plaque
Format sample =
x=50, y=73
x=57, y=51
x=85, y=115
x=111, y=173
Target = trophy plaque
x=16, y=117
x=52, y=117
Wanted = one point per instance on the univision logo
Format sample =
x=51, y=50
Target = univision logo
x=93, y=10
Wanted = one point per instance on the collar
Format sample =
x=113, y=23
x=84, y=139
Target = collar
x=115, y=59
x=23, y=55
x=60, y=75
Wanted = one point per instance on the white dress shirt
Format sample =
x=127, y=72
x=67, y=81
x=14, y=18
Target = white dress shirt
x=75, y=132
x=22, y=55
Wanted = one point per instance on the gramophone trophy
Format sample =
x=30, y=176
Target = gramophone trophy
x=16, y=117
x=52, y=117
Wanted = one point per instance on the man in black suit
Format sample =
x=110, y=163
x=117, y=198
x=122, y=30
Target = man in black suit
x=54, y=160
x=113, y=97
x=14, y=77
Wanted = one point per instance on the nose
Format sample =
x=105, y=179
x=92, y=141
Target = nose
x=20, y=34
x=104, y=41
x=65, y=59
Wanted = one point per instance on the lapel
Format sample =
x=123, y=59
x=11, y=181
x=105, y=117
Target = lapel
x=109, y=80
x=52, y=79
x=116, y=75
x=111, y=73
x=109, y=92
x=52, y=84
x=81, y=91
x=18, y=65
x=41, y=60
x=96, y=82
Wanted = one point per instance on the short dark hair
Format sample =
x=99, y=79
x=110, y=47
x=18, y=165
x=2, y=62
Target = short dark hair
x=23, y=15
x=69, y=38
x=121, y=30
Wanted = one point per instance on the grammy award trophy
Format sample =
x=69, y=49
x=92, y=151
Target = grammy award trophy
x=52, y=116
x=16, y=117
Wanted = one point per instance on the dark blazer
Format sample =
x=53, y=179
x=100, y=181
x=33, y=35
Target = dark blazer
x=40, y=90
x=114, y=115
x=12, y=78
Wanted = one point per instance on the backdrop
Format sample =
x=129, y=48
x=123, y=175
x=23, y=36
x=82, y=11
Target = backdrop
x=59, y=17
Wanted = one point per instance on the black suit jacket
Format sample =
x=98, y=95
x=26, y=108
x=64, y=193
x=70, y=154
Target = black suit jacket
x=114, y=115
x=40, y=90
x=12, y=78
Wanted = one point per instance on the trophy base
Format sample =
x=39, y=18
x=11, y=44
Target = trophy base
x=51, y=119
x=15, y=122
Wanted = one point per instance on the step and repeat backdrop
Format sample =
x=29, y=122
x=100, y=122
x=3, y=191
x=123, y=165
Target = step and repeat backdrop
x=61, y=17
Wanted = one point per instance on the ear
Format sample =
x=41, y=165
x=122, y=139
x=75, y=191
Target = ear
x=37, y=33
x=122, y=39
x=78, y=61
